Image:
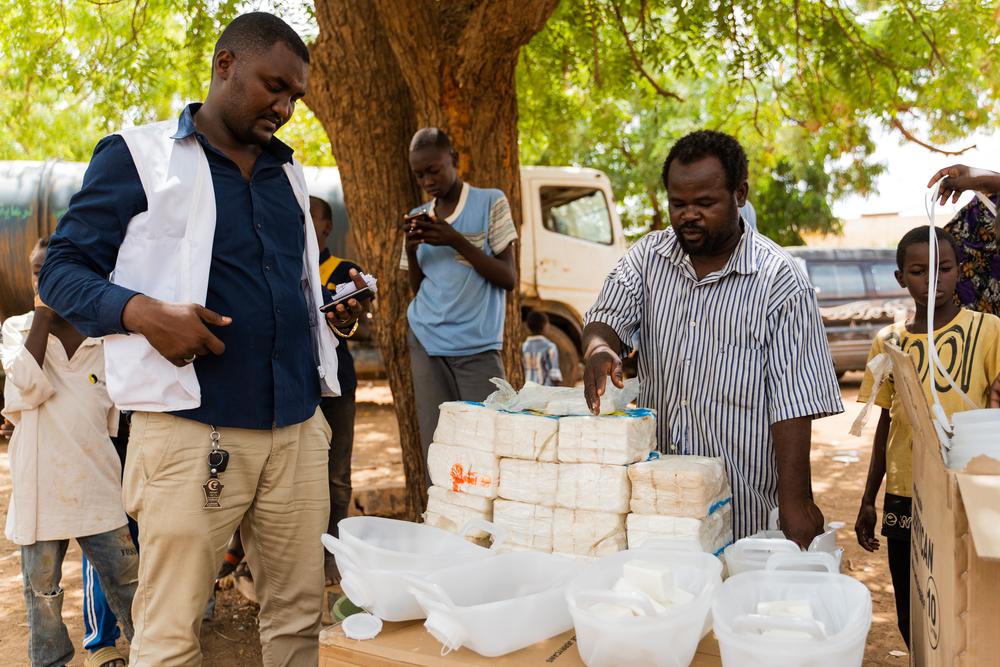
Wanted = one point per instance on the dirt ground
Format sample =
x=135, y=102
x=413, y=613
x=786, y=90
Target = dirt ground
x=230, y=640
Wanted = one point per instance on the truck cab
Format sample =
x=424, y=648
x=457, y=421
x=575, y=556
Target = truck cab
x=571, y=238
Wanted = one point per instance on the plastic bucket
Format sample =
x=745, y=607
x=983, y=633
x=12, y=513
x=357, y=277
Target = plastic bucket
x=374, y=553
x=841, y=604
x=498, y=605
x=668, y=639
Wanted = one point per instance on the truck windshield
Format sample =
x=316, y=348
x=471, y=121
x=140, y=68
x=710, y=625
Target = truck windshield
x=578, y=212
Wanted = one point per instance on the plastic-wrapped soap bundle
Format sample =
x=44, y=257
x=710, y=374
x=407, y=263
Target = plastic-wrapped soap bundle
x=686, y=486
x=710, y=534
x=523, y=435
x=591, y=486
x=586, y=533
x=465, y=424
x=682, y=498
x=450, y=510
x=529, y=527
x=608, y=439
x=464, y=470
x=528, y=481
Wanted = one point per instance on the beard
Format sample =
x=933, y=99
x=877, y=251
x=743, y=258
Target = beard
x=710, y=242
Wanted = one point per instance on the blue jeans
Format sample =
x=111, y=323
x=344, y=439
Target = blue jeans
x=100, y=626
x=117, y=563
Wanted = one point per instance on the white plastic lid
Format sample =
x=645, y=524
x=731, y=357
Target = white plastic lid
x=362, y=626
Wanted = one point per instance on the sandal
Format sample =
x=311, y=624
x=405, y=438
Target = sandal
x=107, y=656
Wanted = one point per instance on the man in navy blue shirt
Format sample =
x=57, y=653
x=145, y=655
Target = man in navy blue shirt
x=254, y=350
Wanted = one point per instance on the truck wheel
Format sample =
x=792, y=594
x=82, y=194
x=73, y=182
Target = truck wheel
x=569, y=357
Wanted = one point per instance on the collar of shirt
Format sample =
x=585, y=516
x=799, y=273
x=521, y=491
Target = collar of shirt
x=743, y=259
x=22, y=323
x=186, y=127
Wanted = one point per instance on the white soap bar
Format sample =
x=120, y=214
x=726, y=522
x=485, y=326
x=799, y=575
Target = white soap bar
x=528, y=526
x=464, y=424
x=710, y=534
x=654, y=578
x=611, y=439
x=463, y=470
x=528, y=481
x=611, y=610
x=623, y=586
x=588, y=533
x=690, y=486
x=450, y=511
x=521, y=435
x=590, y=486
x=787, y=609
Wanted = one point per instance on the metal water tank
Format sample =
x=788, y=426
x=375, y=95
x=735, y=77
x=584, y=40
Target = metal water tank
x=33, y=195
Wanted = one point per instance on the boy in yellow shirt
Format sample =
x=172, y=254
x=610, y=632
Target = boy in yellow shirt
x=968, y=344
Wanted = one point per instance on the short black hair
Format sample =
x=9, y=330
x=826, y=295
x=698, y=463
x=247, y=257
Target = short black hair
x=705, y=143
x=919, y=235
x=43, y=242
x=323, y=205
x=537, y=321
x=256, y=32
x=431, y=137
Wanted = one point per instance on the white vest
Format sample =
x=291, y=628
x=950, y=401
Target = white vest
x=167, y=254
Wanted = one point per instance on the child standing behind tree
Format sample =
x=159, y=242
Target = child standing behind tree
x=65, y=474
x=541, y=356
x=969, y=346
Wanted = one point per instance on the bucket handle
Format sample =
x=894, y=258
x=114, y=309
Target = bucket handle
x=796, y=561
x=498, y=533
x=343, y=551
x=428, y=589
x=758, y=623
x=766, y=545
x=633, y=601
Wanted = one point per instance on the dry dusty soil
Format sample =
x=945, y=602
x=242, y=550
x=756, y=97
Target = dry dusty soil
x=230, y=640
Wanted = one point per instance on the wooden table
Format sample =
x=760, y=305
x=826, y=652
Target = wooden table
x=407, y=644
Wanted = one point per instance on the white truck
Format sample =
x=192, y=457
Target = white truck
x=571, y=237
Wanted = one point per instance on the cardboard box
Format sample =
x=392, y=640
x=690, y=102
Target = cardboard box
x=955, y=544
x=407, y=644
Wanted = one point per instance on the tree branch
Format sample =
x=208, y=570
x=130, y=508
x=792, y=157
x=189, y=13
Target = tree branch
x=636, y=61
x=928, y=38
x=910, y=137
x=592, y=21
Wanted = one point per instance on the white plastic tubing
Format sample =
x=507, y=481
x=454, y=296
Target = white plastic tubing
x=942, y=423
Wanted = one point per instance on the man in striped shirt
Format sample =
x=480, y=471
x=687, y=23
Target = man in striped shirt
x=732, y=352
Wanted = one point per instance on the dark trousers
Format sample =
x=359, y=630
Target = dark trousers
x=340, y=412
x=899, y=569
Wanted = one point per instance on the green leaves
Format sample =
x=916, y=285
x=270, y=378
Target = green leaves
x=801, y=83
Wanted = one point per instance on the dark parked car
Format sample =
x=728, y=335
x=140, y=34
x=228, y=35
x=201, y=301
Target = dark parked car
x=858, y=295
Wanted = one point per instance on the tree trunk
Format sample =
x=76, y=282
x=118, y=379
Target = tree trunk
x=380, y=70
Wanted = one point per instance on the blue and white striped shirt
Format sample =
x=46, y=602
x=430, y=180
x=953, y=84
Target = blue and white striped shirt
x=723, y=358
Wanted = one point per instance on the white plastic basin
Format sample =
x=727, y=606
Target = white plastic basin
x=373, y=554
x=841, y=604
x=668, y=639
x=495, y=606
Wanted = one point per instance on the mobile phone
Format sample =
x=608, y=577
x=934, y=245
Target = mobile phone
x=419, y=216
x=363, y=293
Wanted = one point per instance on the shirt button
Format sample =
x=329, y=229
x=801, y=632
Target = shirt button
x=687, y=362
x=278, y=310
x=267, y=267
x=694, y=323
x=260, y=226
x=684, y=403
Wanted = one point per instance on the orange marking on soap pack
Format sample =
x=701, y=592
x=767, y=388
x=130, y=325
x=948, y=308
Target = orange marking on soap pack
x=461, y=477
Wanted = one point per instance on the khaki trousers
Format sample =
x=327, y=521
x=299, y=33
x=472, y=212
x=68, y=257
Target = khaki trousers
x=275, y=492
